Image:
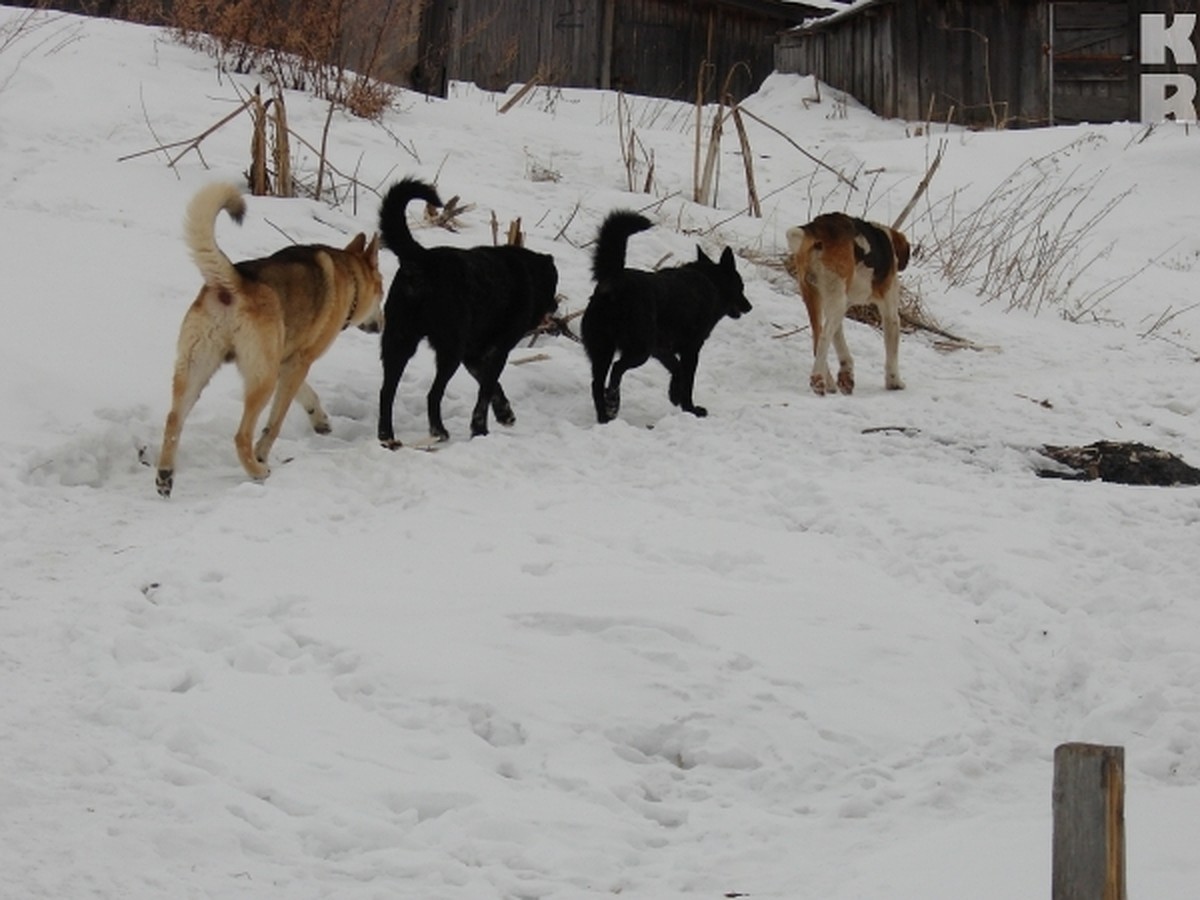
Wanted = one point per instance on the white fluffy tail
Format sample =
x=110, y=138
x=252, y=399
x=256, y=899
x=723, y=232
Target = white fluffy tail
x=199, y=230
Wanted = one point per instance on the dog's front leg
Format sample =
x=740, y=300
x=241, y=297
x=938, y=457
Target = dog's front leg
x=311, y=404
x=670, y=362
x=685, y=379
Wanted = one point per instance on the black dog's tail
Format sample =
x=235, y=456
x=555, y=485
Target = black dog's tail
x=393, y=223
x=609, y=258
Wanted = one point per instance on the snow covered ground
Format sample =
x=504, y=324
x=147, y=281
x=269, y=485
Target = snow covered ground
x=771, y=652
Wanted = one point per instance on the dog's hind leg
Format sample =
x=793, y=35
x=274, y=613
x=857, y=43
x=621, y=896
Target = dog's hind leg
x=257, y=353
x=833, y=313
x=311, y=404
x=487, y=373
x=600, y=355
x=193, y=370
x=501, y=408
x=845, y=376
x=258, y=394
x=447, y=365
x=395, y=354
x=889, y=314
x=626, y=361
x=604, y=412
x=291, y=379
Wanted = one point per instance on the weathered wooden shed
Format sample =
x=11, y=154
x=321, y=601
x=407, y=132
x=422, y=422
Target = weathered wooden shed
x=652, y=47
x=983, y=62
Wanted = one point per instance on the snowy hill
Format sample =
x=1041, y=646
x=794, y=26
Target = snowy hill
x=777, y=651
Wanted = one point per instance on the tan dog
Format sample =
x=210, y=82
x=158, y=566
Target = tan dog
x=272, y=317
x=841, y=262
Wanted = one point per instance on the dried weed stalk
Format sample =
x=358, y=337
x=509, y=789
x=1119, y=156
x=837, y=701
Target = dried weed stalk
x=1027, y=243
x=297, y=44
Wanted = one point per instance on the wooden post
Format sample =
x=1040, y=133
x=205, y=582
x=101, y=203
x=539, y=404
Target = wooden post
x=1089, y=822
x=607, y=27
x=258, y=149
x=282, y=148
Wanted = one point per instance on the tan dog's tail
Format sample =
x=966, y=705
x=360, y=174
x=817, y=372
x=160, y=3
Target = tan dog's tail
x=902, y=249
x=199, y=229
x=795, y=236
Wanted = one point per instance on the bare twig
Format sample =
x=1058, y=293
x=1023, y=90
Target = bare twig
x=820, y=162
x=324, y=146
x=922, y=187
x=192, y=143
x=521, y=94
x=524, y=360
x=570, y=219
x=1165, y=317
x=748, y=161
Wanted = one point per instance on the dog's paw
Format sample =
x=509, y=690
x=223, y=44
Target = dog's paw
x=698, y=411
x=893, y=383
x=505, y=416
x=164, y=481
x=612, y=403
x=441, y=435
x=845, y=381
x=390, y=444
x=817, y=382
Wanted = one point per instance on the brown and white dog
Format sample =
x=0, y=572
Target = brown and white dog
x=272, y=317
x=841, y=261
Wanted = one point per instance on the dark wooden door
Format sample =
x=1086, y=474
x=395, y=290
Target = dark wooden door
x=1094, y=64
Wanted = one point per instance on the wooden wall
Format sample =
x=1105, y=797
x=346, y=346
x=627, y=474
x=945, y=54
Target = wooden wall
x=921, y=59
x=658, y=47
x=652, y=47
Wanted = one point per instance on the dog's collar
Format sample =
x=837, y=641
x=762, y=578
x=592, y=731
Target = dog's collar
x=353, y=307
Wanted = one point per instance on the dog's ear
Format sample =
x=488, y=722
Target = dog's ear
x=727, y=260
x=900, y=245
x=701, y=256
x=356, y=246
x=372, y=252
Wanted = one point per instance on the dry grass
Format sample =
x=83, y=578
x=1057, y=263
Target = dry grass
x=300, y=45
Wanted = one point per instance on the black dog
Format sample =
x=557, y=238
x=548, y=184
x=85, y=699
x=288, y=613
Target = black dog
x=667, y=314
x=472, y=305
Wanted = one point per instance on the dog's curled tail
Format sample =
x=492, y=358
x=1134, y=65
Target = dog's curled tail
x=393, y=222
x=199, y=230
x=609, y=258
